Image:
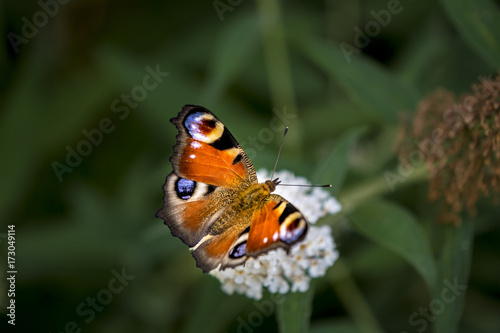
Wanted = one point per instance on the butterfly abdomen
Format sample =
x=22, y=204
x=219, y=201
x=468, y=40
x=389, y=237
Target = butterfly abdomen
x=242, y=207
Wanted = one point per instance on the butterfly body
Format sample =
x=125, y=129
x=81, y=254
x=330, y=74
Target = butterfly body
x=213, y=201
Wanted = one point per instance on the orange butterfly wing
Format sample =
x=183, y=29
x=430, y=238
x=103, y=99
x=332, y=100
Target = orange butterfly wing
x=277, y=224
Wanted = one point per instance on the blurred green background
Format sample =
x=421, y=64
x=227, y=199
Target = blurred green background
x=67, y=69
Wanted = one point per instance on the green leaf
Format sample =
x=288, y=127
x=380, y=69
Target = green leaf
x=294, y=312
x=479, y=23
x=454, y=270
x=393, y=227
x=366, y=83
x=334, y=169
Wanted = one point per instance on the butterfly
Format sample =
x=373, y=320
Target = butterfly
x=213, y=201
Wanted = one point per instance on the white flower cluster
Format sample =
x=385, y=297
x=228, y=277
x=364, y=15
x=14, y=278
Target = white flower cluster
x=277, y=271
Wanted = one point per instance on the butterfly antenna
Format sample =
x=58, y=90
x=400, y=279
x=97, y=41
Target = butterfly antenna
x=279, y=152
x=304, y=185
x=276, y=164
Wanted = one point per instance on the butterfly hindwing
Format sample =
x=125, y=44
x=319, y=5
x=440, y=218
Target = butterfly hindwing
x=277, y=224
x=191, y=207
x=224, y=249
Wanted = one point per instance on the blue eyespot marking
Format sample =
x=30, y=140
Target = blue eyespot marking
x=294, y=231
x=184, y=188
x=201, y=126
x=238, y=251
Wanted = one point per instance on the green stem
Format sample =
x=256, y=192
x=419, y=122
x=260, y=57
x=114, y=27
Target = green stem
x=377, y=186
x=294, y=312
x=352, y=298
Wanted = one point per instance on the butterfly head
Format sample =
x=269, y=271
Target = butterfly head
x=271, y=184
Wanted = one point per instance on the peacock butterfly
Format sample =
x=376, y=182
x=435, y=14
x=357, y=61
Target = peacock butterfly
x=213, y=201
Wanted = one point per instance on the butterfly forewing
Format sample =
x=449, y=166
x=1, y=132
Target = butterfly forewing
x=207, y=152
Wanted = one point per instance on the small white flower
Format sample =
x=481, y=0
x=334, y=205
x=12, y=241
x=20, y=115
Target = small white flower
x=301, y=283
x=276, y=271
